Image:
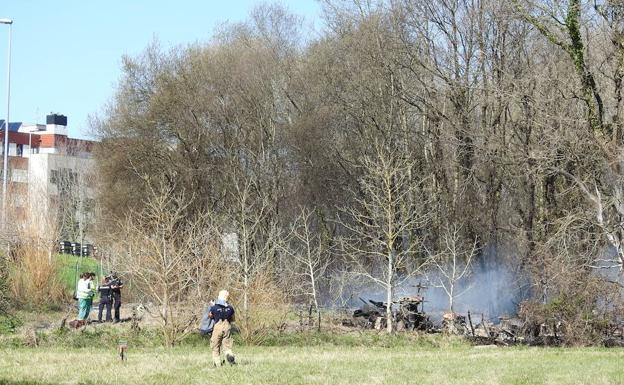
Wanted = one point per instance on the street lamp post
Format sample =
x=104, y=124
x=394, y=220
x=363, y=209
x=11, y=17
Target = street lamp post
x=5, y=169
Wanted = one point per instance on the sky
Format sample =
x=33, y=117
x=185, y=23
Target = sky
x=66, y=54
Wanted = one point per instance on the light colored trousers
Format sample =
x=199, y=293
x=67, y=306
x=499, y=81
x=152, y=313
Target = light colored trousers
x=221, y=341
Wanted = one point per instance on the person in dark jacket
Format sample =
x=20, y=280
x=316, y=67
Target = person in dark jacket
x=106, y=299
x=221, y=341
x=116, y=286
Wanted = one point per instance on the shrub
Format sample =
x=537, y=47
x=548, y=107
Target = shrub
x=34, y=278
x=580, y=312
x=266, y=313
x=5, y=302
x=9, y=324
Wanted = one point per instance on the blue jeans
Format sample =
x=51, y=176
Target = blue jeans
x=84, y=308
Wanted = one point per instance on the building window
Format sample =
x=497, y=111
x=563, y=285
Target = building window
x=19, y=176
x=20, y=149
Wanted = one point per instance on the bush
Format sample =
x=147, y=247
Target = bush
x=34, y=277
x=9, y=324
x=266, y=313
x=4, y=287
x=580, y=313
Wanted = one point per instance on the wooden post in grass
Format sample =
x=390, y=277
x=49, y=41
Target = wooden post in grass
x=122, y=349
x=470, y=323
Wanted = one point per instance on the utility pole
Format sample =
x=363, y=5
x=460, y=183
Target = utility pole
x=5, y=170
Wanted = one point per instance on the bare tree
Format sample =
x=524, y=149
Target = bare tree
x=166, y=257
x=305, y=246
x=257, y=240
x=452, y=264
x=383, y=243
x=589, y=35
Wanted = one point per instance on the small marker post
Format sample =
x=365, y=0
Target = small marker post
x=122, y=348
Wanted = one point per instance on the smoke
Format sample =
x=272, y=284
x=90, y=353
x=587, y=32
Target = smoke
x=493, y=288
x=488, y=291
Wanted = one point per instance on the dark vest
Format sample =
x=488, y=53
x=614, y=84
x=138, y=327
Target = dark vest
x=105, y=292
x=220, y=312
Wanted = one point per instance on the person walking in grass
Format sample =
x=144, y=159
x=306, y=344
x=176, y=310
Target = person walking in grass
x=221, y=341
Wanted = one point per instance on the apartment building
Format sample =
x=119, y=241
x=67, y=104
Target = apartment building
x=49, y=173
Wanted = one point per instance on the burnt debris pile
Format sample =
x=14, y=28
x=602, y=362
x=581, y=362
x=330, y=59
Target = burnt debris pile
x=408, y=315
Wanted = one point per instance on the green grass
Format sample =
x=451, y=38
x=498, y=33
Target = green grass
x=325, y=364
x=9, y=324
x=68, y=268
x=107, y=335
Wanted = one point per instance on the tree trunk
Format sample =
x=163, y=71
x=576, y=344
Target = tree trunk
x=389, y=294
x=314, y=295
x=451, y=297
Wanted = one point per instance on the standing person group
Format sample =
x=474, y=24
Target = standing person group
x=110, y=297
x=221, y=341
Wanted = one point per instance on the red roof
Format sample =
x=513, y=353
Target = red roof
x=48, y=141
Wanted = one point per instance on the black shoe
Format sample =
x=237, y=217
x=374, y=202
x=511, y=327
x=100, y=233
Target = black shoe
x=116, y=321
x=230, y=359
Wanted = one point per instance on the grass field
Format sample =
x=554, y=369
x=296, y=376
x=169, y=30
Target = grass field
x=315, y=365
x=68, y=264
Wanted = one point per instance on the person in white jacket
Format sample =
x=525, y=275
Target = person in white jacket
x=84, y=293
